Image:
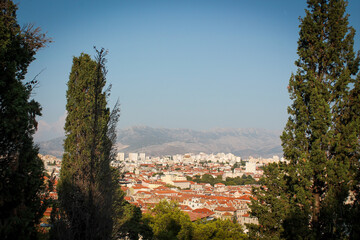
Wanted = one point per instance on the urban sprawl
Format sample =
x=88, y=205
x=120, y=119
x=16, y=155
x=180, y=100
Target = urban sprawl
x=148, y=180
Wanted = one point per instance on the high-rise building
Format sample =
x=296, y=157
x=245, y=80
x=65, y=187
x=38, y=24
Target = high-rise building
x=120, y=156
x=250, y=167
x=133, y=156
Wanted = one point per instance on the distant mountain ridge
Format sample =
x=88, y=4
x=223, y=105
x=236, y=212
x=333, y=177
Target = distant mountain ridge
x=163, y=141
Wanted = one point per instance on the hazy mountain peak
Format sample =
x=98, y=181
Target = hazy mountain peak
x=165, y=141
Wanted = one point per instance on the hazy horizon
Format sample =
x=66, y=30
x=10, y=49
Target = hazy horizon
x=48, y=135
x=174, y=64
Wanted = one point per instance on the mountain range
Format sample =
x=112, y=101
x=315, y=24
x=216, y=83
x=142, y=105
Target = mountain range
x=242, y=142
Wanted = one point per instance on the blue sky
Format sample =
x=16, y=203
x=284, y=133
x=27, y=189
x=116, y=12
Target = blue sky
x=198, y=64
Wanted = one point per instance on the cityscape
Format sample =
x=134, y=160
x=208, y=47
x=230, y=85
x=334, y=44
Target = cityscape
x=179, y=120
x=148, y=180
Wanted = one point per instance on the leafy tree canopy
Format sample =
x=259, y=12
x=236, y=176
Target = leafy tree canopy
x=22, y=198
x=218, y=230
x=169, y=222
x=207, y=178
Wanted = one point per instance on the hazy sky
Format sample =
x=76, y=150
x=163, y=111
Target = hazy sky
x=197, y=64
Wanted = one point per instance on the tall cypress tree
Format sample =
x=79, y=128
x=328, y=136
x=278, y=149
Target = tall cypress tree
x=85, y=187
x=321, y=137
x=21, y=170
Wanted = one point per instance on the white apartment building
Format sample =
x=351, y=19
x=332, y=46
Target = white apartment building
x=250, y=167
x=133, y=156
x=183, y=184
x=194, y=203
x=120, y=156
x=142, y=156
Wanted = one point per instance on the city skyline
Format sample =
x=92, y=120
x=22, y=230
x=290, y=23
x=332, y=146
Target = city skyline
x=179, y=64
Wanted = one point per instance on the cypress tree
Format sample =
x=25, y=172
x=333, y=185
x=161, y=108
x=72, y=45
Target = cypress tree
x=321, y=137
x=85, y=186
x=21, y=170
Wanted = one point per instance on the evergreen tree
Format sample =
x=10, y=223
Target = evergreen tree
x=354, y=119
x=271, y=204
x=21, y=171
x=85, y=188
x=321, y=137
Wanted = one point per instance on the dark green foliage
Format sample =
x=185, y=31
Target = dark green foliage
x=169, y=222
x=86, y=187
x=127, y=218
x=321, y=137
x=218, y=230
x=354, y=113
x=207, y=178
x=21, y=171
x=243, y=180
x=236, y=165
x=271, y=203
x=129, y=223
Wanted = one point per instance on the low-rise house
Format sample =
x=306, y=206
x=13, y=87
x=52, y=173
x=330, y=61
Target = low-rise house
x=134, y=189
x=220, y=187
x=197, y=186
x=247, y=219
x=204, y=211
x=198, y=216
x=220, y=212
x=181, y=184
x=193, y=203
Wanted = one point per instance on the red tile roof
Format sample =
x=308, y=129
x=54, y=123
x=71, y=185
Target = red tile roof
x=185, y=208
x=196, y=216
x=225, y=209
x=204, y=211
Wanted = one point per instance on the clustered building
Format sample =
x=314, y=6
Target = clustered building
x=148, y=180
